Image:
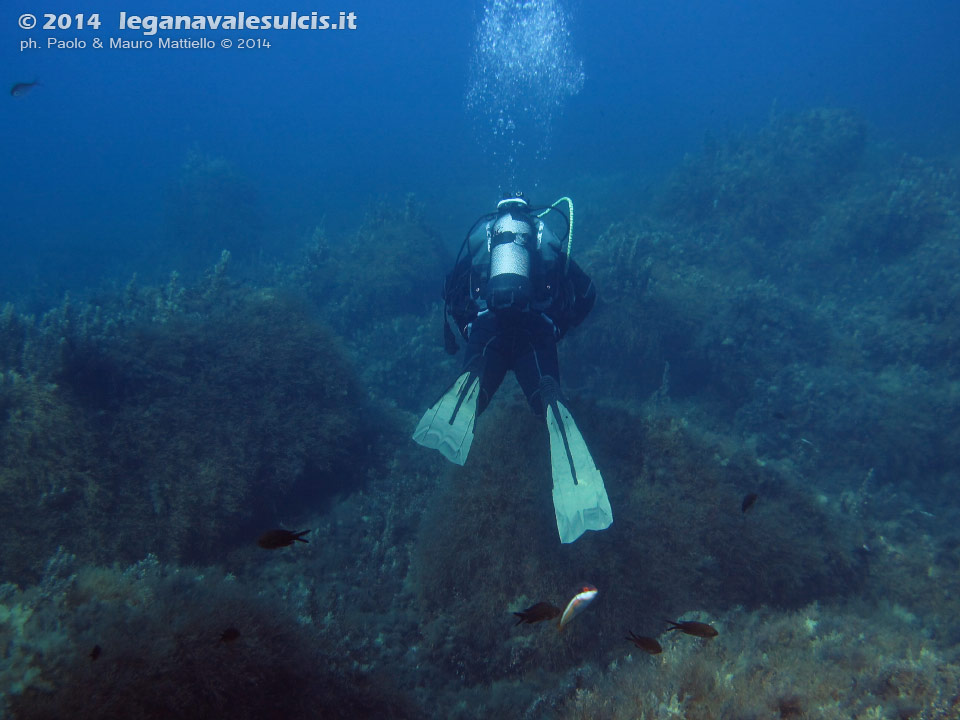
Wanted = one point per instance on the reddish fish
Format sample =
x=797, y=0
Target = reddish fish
x=577, y=604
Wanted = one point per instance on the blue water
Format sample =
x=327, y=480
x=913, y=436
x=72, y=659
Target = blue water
x=324, y=123
x=766, y=198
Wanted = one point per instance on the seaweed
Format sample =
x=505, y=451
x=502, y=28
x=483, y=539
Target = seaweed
x=824, y=661
x=679, y=539
x=210, y=206
x=769, y=185
x=164, y=652
x=177, y=420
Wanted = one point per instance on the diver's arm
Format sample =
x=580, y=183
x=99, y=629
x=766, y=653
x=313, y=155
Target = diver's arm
x=577, y=297
x=457, y=298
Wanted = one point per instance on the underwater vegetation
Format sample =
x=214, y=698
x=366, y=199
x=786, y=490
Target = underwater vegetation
x=679, y=539
x=380, y=289
x=210, y=206
x=171, y=421
x=781, y=326
x=814, y=662
x=831, y=327
x=153, y=641
x=769, y=185
x=391, y=266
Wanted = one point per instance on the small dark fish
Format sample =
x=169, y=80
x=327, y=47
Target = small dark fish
x=273, y=539
x=779, y=415
x=95, y=653
x=748, y=500
x=537, y=613
x=229, y=635
x=21, y=89
x=647, y=644
x=697, y=629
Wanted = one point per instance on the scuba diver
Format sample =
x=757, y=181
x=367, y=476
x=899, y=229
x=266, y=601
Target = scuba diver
x=513, y=294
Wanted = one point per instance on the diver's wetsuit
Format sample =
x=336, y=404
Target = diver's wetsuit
x=524, y=341
x=513, y=295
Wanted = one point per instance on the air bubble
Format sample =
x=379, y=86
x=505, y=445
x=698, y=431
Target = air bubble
x=524, y=70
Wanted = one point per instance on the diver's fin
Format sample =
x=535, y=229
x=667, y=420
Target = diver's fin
x=448, y=425
x=579, y=498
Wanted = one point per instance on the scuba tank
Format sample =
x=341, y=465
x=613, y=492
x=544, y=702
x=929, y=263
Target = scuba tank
x=513, y=243
x=503, y=280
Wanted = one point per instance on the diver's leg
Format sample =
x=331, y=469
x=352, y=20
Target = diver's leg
x=537, y=361
x=448, y=426
x=485, y=355
x=579, y=497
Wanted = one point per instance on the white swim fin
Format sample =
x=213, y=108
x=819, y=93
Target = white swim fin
x=579, y=498
x=448, y=425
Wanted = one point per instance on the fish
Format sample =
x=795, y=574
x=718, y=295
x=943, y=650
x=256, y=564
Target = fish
x=229, y=635
x=779, y=415
x=748, y=500
x=647, y=644
x=537, y=613
x=273, y=539
x=21, y=89
x=578, y=603
x=697, y=629
x=95, y=653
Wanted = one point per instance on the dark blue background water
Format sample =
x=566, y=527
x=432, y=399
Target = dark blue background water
x=325, y=123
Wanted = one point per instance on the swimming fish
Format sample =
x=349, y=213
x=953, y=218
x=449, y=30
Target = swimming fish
x=95, y=653
x=577, y=604
x=697, y=629
x=273, y=539
x=537, y=613
x=21, y=89
x=748, y=500
x=229, y=635
x=647, y=644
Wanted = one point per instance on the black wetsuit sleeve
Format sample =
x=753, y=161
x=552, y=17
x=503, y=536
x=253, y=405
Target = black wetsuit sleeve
x=575, y=299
